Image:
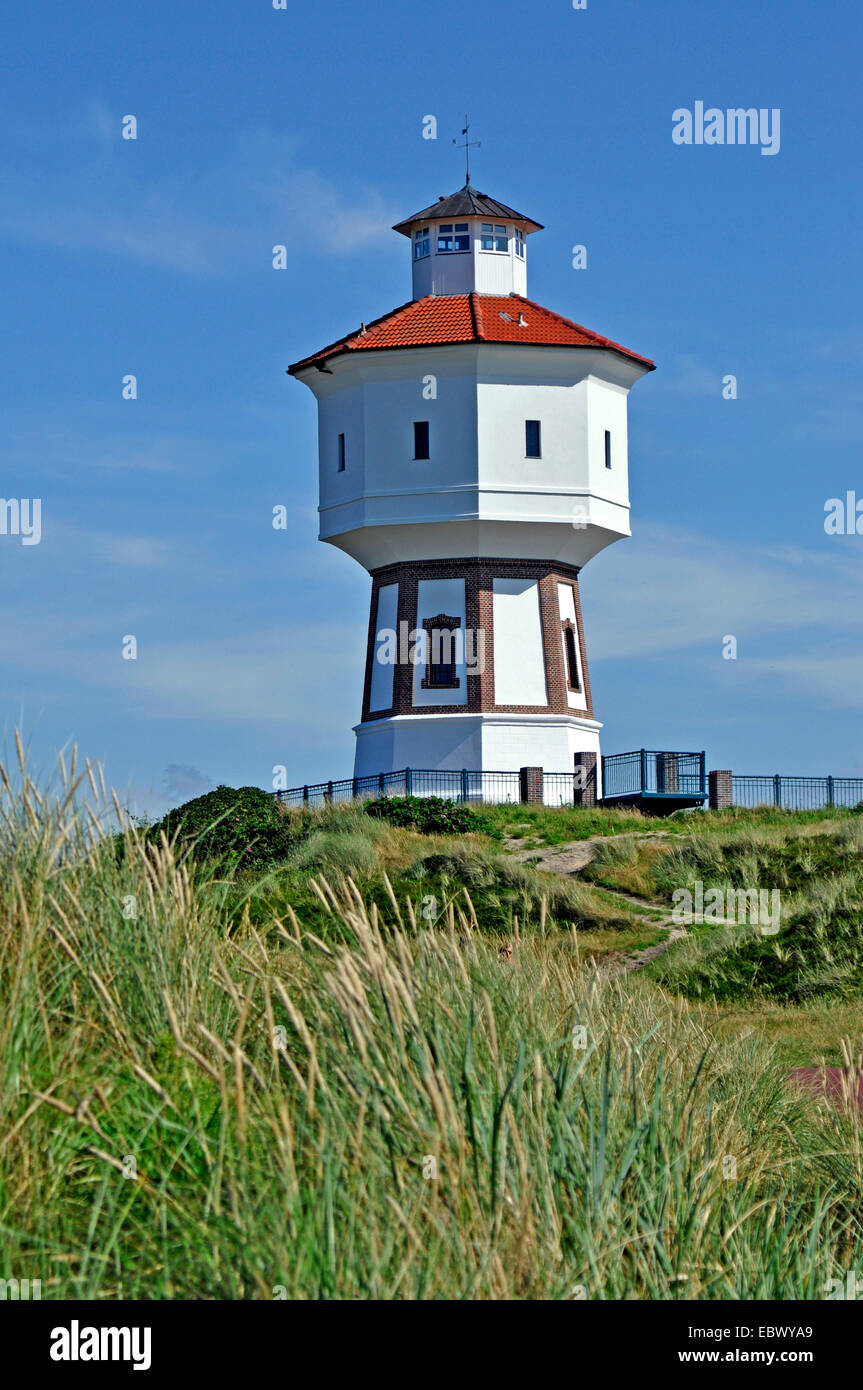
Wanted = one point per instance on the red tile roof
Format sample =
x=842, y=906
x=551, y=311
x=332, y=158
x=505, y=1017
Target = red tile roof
x=468, y=318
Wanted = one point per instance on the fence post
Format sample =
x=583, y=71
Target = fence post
x=305, y=793
x=643, y=769
x=777, y=790
x=720, y=789
x=530, y=784
x=464, y=784
x=584, y=779
x=328, y=794
x=409, y=781
x=830, y=801
x=355, y=788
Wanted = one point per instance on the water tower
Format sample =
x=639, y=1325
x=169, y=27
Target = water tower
x=473, y=458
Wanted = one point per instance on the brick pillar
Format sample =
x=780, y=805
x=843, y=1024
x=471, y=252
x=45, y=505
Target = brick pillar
x=530, y=784
x=720, y=789
x=585, y=779
x=667, y=772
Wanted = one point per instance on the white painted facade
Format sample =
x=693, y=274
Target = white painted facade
x=383, y=670
x=476, y=742
x=519, y=668
x=566, y=607
x=477, y=493
x=441, y=596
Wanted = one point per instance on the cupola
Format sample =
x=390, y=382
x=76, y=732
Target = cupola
x=468, y=242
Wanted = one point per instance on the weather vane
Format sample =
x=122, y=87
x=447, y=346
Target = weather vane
x=466, y=145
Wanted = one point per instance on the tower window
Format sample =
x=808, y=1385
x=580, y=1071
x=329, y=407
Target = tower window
x=569, y=646
x=422, y=243
x=442, y=653
x=421, y=439
x=493, y=237
x=341, y=454
x=453, y=236
x=532, y=439
x=519, y=242
x=608, y=448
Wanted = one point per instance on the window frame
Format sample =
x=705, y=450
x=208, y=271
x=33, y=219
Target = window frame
x=422, y=458
x=442, y=622
x=519, y=239
x=494, y=232
x=571, y=657
x=527, y=452
x=453, y=231
x=422, y=238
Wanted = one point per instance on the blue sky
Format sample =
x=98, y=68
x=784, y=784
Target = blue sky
x=304, y=127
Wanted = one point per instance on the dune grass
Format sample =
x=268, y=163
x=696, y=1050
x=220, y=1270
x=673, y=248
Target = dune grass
x=196, y=1104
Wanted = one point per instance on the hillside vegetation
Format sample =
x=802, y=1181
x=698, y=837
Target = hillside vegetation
x=320, y=1077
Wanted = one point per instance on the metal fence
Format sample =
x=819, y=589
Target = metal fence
x=652, y=772
x=495, y=788
x=797, y=793
x=645, y=773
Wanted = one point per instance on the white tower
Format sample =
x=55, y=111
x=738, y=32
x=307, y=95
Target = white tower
x=473, y=457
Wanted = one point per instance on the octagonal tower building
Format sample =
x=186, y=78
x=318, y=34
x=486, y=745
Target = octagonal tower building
x=473, y=458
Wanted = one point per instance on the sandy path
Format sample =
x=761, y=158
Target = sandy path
x=569, y=859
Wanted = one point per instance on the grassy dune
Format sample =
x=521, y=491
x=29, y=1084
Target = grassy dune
x=324, y=1092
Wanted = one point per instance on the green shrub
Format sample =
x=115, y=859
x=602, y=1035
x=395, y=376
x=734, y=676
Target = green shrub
x=243, y=824
x=433, y=815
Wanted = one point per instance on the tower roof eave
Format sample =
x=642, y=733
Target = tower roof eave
x=467, y=202
x=447, y=320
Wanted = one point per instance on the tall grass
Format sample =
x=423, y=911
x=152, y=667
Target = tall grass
x=375, y=1109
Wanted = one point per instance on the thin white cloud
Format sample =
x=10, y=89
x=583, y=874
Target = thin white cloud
x=670, y=590
x=224, y=217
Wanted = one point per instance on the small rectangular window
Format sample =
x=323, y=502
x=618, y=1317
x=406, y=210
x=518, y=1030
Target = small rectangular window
x=453, y=236
x=572, y=679
x=493, y=237
x=443, y=640
x=608, y=448
x=422, y=244
x=421, y=439
x=341, y=454
x=532, y=439
x=519, y=242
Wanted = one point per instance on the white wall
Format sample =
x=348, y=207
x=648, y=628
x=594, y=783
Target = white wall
x=494, y=742
x=519, y=666
x=383, y=675
x=566, y=604
x=436, y=596
x=387, y=506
